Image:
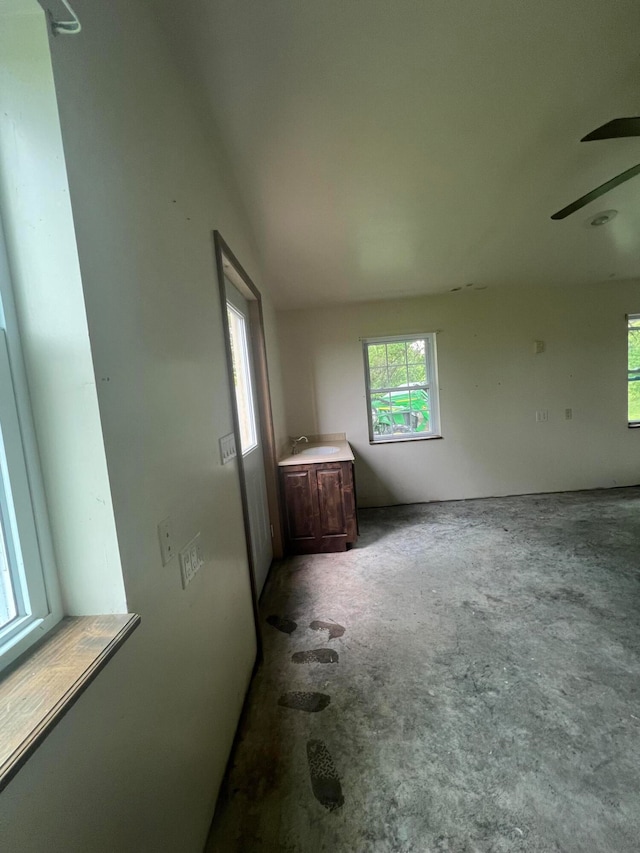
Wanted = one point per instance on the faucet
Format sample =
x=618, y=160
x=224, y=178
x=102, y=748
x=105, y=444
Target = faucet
x=295, y=442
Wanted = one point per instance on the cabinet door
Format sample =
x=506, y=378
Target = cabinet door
x=300, y=503
x=331, y=511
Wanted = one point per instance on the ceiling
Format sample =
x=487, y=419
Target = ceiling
x=389, y=148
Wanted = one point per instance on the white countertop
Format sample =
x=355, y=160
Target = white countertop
x=343, y=454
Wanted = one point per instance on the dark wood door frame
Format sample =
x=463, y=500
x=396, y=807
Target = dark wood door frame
x=227, y=265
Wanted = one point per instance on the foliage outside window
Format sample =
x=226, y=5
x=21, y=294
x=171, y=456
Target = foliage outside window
x=402, y=393
x=633, y=384
x=242, y=379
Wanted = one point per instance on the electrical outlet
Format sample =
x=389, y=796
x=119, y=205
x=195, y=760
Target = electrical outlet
x=542, y=415
x=190, y=561
x=568, y=414
x=186, y=570
x=538, y=347
x=165, y=535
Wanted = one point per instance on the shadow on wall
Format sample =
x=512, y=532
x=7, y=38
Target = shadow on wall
x=370, y=489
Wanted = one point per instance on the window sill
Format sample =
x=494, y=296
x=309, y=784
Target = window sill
x=40, y=687
x=406, y=438
x=634, y=425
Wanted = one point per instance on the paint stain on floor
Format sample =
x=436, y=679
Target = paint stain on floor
x=325, y=781
x=333, y=628
x=282, y=623
x=301, y=700
x=315, y=656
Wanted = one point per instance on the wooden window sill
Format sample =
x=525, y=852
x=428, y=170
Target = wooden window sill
x=40, y=687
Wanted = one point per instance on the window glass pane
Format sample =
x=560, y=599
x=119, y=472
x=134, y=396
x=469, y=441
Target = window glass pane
x=397, y=352
x=377, y=355
x=419, y=411
x=379, y=378
x=401, y=409
x=634, y=369
x=8, y=607
x=242, y=379
x=397, y=376
x=416, y=350
x=417, y=374
x=381, y=414
x=10, y=589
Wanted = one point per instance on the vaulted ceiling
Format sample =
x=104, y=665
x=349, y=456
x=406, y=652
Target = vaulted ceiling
x=399, y=147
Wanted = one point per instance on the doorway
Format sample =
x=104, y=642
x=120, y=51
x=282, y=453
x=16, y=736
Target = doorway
x=241, y=305
x=246, y=403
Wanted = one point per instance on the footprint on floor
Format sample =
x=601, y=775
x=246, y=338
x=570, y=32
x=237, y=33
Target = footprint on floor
x=315, y=656
x=325, y=781
x=300, y=700
x=287, y=626
x=333, y=628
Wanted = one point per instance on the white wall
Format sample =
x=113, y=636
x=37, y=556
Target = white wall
x=491, y=384
x=136, y=764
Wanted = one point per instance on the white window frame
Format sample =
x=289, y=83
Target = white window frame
x=22, y=501
x=630, y=318
x=431, y=386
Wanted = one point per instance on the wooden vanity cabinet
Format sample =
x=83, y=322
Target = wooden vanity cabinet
x=319, y=505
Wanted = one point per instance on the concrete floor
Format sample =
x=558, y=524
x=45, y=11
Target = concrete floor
x=483, y=696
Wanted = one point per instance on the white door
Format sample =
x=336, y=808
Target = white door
x=251, y=446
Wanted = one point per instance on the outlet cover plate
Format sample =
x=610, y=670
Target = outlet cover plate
x=190, y=561
x=227, y=448
x=165, y=535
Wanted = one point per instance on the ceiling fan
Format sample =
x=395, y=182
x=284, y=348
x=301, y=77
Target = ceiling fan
x=617, y=128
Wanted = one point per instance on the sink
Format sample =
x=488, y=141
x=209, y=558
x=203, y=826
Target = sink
x=325, y=450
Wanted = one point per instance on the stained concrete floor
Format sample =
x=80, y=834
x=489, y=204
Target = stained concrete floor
x=484, y=695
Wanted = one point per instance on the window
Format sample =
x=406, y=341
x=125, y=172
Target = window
x=22, y=593
x=242, y=379
x=633, y=384
x=402, y=390
x=28, y=588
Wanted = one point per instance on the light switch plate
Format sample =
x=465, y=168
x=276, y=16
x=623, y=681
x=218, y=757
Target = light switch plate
x=227, y=448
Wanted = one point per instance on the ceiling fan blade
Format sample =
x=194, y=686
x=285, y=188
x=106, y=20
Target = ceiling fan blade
x=615, y=129
x=601, y=190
